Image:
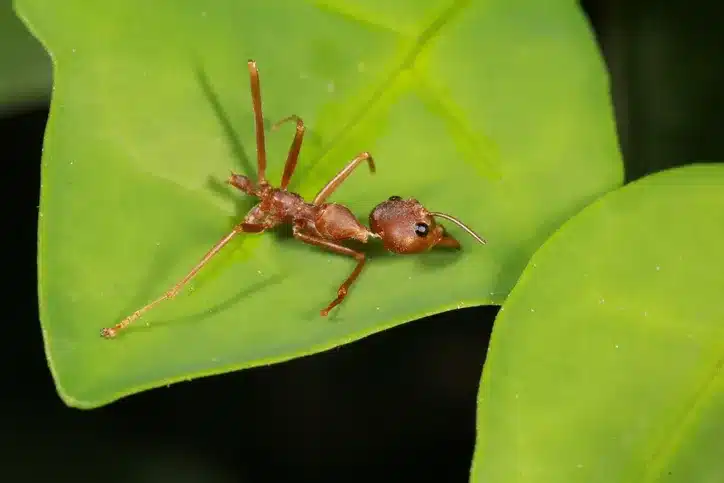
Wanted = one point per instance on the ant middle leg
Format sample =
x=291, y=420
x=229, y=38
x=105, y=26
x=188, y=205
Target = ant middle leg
x=334, y=183
x=258, y=122
x=342, y=250
x=293, y=155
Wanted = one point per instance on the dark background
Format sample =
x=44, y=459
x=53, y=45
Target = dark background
x=397, y=406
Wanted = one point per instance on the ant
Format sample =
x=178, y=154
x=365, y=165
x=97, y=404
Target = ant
x=403, y=226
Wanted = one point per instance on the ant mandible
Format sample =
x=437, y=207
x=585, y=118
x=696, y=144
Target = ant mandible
x=403, y=226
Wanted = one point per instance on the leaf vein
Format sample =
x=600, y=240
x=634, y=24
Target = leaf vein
x=438, y=23
x=668, y=445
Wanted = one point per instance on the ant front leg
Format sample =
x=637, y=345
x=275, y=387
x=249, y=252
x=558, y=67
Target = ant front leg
x=334, y=183
x=342, y=250
x=294, y=149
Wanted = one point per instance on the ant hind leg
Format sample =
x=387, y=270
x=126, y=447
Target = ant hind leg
x=110, y=332
x=258, y=122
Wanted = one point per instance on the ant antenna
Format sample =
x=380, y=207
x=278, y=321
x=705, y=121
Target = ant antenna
x=461, y=225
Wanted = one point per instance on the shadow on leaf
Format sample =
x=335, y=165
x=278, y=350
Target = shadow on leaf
x=224, y=306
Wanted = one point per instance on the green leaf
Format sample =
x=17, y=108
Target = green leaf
x=605, y=362
x=494, y=112
x=25, y=74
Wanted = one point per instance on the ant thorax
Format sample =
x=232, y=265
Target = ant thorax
x=336, y=222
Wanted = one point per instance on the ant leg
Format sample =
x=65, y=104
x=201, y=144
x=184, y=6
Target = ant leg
x=342, y=175
x=110, y=332
x=293, y=155
x=342, y=250
x=259, y=123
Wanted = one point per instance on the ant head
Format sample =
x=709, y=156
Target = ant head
x=405, y=226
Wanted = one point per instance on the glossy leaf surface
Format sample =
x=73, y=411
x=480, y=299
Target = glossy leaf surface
x=605, y=362
x=495, y=112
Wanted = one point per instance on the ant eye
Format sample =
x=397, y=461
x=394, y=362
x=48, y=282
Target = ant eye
x=395, y=198
x=421, y=229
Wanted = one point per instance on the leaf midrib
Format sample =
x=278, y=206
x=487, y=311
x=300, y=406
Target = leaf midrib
x=433, y=29
x=672, y=439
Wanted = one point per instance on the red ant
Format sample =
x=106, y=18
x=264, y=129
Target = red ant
x=404, y=226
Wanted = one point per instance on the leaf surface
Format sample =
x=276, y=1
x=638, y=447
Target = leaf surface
x=24, y=66
x=495, y=112
x=605, y=362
